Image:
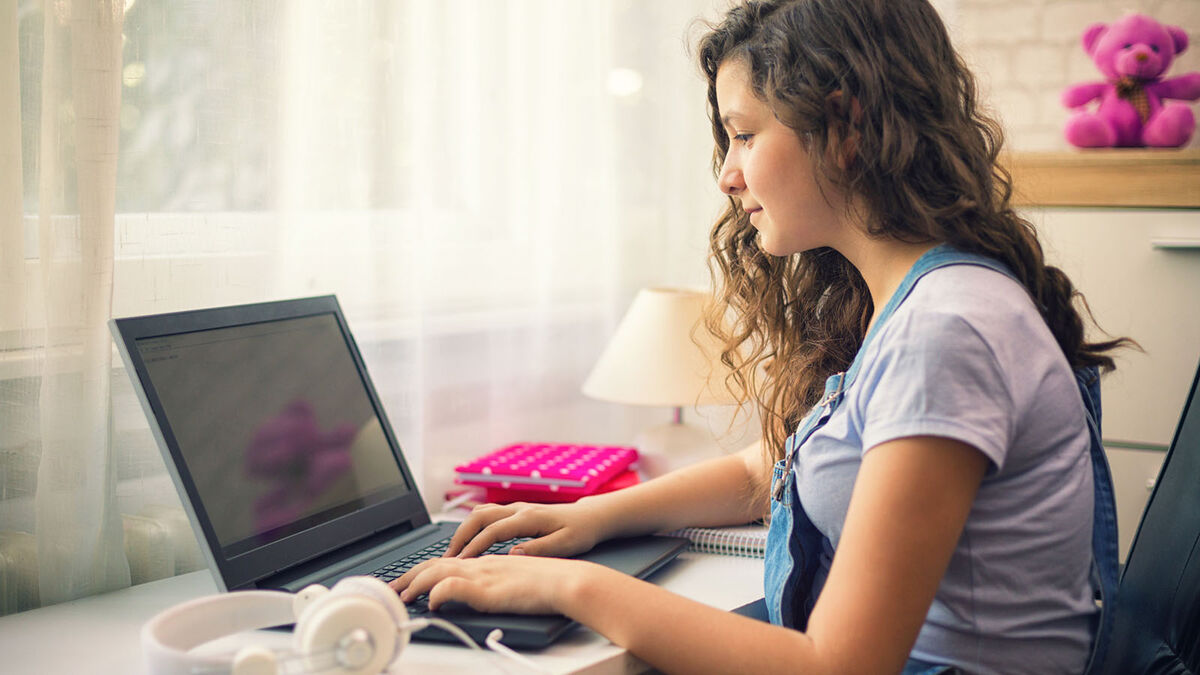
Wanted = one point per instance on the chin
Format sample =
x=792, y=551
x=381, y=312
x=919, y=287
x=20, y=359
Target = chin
x=772, y=246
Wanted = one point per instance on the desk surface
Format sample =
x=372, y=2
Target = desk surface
x=99, y=634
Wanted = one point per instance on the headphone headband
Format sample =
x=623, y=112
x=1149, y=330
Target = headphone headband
x=167, y=637
x=359, y=627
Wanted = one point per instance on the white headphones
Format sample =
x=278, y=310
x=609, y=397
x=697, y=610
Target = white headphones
x=360, y=627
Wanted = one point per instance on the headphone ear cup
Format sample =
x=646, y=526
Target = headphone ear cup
x=306, y=597
x=323, y=635
x=375, y=588
x=255, y=660
x=379, y=590
x=382, y=613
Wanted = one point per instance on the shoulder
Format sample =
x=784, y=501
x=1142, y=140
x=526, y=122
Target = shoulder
x=960, y=358
x=967, y=326
x=970, y=290
x=968, y=303
x=969, y=332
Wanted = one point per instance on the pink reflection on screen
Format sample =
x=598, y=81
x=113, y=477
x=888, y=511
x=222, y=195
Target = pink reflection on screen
x=299, y=460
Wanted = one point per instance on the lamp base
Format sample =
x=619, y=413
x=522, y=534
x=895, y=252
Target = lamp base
x=670, y=446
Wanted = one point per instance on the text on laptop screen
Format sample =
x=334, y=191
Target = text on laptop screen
x=274, y=424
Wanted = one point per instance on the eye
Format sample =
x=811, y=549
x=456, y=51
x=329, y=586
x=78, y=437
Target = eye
x=743, y=138
x=1127, y=46
x=1154, y=48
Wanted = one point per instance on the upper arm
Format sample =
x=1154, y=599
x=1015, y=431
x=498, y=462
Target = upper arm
x=908, y=508
x=940, y=375
x=758, y=471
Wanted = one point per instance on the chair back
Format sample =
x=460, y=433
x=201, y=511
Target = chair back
x=1157, y=623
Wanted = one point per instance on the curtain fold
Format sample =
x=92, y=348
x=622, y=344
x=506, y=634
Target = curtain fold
x=80, y=544
x=12, y=241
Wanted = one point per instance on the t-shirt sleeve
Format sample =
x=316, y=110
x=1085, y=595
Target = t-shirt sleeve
x=935, y=375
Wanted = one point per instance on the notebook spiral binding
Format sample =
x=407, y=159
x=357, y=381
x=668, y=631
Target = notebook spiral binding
x=748, y=541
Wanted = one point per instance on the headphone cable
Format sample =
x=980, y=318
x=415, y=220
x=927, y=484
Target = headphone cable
x=493, y=640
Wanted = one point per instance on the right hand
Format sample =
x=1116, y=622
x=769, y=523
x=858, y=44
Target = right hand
x=557, y=529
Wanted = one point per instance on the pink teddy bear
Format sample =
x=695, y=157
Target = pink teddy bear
x=1133, y=53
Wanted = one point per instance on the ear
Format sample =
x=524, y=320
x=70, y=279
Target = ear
x=1179, y=37
x=844, y=136
x=1092, y=35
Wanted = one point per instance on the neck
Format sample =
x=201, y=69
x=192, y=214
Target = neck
x=883, y=264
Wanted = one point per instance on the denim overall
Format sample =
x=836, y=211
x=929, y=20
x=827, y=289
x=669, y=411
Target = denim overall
x=793, y=575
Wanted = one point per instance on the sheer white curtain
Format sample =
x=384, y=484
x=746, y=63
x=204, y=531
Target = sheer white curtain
x=56, y=391
x=484, y=185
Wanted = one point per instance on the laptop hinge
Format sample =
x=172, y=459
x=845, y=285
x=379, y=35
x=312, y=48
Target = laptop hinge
x=344, y=558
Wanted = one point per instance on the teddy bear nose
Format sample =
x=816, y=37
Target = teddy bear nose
x=1141, y=57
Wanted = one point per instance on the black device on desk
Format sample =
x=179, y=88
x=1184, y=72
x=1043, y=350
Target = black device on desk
x=286, y=463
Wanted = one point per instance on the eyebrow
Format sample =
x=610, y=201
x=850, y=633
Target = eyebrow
x=730, y=116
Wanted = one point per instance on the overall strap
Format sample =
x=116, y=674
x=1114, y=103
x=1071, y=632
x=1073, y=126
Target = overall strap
x=1105, y=559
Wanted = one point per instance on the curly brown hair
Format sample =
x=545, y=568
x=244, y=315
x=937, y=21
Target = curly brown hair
x=924, y=166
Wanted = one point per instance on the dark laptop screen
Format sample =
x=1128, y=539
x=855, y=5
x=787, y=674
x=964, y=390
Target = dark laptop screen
x=275, y=425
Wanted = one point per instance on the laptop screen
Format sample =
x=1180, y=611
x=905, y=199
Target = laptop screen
x=274, y=424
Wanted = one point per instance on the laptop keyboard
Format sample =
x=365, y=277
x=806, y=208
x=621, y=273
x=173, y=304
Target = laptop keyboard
x=396, y=568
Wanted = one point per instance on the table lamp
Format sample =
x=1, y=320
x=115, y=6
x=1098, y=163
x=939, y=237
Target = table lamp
x=652, y=359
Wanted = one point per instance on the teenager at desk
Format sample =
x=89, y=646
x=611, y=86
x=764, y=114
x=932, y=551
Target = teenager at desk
x=911, y=356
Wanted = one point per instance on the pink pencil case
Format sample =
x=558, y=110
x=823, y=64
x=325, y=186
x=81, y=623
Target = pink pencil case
x=554, y=467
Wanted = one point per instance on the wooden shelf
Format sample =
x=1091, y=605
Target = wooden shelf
x=1135, y=178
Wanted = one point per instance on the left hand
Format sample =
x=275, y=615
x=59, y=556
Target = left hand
x=496, y=583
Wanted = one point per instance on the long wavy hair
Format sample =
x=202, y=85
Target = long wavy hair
x=924, y=167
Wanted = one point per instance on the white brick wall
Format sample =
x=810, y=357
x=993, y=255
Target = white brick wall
x=1025, y=52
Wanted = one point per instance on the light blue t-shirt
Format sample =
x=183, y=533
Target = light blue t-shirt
x=968, y=357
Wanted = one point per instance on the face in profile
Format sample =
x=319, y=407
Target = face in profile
x=769, y=171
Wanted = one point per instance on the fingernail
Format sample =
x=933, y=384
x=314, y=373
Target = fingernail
x=517, y=551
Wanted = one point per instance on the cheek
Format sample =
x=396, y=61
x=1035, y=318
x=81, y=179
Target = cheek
x=763, y=176
x=749, y=166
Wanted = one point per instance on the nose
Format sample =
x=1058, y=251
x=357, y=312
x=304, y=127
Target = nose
x=731, y=181
x=1141, y=57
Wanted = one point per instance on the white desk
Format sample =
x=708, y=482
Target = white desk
x=99, y=634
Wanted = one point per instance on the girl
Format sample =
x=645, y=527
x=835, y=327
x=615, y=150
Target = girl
x=938, y=498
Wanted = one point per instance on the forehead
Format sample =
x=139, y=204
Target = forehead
x=733, y=73
x=734, y=94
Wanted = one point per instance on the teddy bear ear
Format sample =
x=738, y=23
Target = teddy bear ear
x=1179, y=37
x=1092, y=35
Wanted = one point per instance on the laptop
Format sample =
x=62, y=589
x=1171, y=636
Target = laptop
x=287, y=466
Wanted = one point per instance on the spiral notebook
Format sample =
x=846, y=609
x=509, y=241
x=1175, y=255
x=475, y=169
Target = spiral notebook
x=749, y=541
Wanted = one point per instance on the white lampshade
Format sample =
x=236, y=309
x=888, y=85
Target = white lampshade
x=652, y=359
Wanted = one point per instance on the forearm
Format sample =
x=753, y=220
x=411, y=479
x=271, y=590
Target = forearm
x=678, y=635
x=719, y=491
